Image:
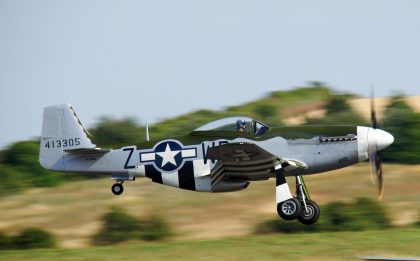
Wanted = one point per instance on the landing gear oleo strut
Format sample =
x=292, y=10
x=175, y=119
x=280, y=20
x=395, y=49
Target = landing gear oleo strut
x=301, y=206
x=310, y=211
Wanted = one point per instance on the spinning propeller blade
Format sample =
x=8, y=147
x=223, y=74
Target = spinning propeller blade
x=374, y=153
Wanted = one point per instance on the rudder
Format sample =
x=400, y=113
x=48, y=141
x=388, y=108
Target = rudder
x=62, y=131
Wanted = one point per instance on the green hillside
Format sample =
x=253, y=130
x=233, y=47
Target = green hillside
x=271, y=109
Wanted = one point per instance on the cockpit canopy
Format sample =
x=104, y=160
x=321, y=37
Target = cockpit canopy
x=236, y=124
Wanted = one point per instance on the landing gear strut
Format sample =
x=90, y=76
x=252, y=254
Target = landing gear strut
x=301, y=206
x=310, y=211
x=118, y=188
x=288, y=207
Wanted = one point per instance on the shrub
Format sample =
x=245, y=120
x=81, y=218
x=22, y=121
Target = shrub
x=404, y=123
x=363, y=214
x=266, y=111
x=5, y=242
x=33, y=238
x=120, y=227
x=370, y=214
x=154, y=228
x=22, y=158
x=338, y=216
x=417, y=224
x=13, y=180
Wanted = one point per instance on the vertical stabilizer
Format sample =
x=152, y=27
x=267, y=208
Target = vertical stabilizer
x=61, y=131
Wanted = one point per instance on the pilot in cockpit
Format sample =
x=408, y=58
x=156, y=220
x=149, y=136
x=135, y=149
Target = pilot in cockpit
x=240, y=125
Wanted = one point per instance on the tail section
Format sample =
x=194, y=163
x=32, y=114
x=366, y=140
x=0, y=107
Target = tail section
x=61, y=131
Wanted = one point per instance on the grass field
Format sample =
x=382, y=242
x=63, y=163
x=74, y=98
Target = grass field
x=323, y=246
x=72, y=212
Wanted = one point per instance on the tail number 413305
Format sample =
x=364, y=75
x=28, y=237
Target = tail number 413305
x=62, y=143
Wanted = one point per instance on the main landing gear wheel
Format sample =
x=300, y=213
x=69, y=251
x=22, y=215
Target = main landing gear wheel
x=289, y=209
x=309, y=215
x=117, y=189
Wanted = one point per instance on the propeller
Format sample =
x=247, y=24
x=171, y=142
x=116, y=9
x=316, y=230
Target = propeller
x=375, y=154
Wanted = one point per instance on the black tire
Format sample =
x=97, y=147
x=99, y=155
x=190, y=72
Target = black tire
x=289, y=209
x=310, y=217
x=117, y=189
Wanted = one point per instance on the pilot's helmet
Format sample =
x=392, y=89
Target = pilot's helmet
x=240, y=124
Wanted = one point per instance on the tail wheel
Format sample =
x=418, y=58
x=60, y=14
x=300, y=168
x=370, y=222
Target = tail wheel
x=289, y=209
x=117, y=189
x=311, y=215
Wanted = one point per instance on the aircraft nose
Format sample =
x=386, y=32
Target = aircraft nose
x=383, y=139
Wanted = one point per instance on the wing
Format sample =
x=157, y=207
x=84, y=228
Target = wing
x=241, y=161
x=246, y=162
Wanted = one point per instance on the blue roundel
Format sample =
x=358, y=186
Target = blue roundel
x=168, y=156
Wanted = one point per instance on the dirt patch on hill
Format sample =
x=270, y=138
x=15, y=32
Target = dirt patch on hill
x=362, y=105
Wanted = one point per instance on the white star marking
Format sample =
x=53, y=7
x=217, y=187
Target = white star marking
x=168, y=156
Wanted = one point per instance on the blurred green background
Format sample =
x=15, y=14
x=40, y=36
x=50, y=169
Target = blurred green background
x=78, y=213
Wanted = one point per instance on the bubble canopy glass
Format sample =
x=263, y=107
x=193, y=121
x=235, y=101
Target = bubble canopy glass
x=232, y=124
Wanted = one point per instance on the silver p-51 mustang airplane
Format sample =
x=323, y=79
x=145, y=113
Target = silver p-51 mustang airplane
x=221, y=156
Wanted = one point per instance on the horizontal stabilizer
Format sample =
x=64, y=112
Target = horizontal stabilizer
x=94, y=151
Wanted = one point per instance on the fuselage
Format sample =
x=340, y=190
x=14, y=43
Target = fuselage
x=182, y=162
